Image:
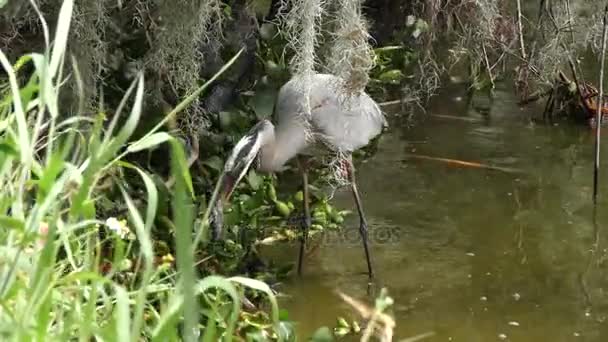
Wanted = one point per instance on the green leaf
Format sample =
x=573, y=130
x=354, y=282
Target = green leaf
x=48, y=95
x=122, y=314
x=215, y=163
x=61, y=36
x=138, y=223
x=54, y=168
x=263, y=102
x=88, y=209
x=180, y=158
x=167, y=324
x=22, y=128
x=225, y=285
x=262, y=287
x=11, y=223
x=149, y=142
x=8, y=149
x=183, y=219
x=129, y=127
x=391, y=77
x=254, y=180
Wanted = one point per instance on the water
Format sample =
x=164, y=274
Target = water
x=468, y=253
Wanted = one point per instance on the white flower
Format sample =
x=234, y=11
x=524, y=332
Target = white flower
x=118, y=227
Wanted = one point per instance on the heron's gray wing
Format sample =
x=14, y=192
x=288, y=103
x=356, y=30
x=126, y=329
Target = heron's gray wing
x=348, y=124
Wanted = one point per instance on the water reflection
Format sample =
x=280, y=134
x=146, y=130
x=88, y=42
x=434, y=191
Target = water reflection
x=474, y=255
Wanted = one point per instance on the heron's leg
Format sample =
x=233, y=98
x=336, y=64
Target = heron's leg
x=306, y=222
x=362, y=221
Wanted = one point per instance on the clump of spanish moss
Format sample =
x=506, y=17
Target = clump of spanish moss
x=91, y=21
x=21, y=32
x=302, y=22
x=184, y=27
x=351, y=56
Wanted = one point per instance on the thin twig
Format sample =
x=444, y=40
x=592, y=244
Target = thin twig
x=485, y=56
x=600, y=106
x=521, y=31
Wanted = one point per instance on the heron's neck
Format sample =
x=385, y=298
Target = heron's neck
x=267, y=158
x=284, y=143
x=268, y=153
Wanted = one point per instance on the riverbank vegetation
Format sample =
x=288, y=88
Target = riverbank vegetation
x=98, y=223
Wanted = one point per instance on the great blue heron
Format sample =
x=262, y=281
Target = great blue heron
x=336, y=123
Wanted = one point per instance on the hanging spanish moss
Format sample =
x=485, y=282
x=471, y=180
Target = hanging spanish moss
x=302, y=21
x=21, y=32
x=177, y=54
x=351, y=56
x=91, y=22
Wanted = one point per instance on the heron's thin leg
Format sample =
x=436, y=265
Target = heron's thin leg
x=306, y=222
x=362, y=220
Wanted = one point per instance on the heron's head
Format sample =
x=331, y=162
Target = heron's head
x=242, y=156
x=236, y=166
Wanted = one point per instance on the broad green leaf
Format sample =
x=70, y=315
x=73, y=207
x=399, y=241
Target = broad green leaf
x=263, y=102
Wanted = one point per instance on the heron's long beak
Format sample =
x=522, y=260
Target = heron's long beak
x=237, y=165
x=228, y=184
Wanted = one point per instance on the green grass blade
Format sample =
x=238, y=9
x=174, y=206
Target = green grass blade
x=225, y=285
x=262, y=287
x=183, y=218
x=23, y=134
x=61, y=36
x=149, y=142
x=122, y=314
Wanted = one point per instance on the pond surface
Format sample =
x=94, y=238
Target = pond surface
x=471, y=254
